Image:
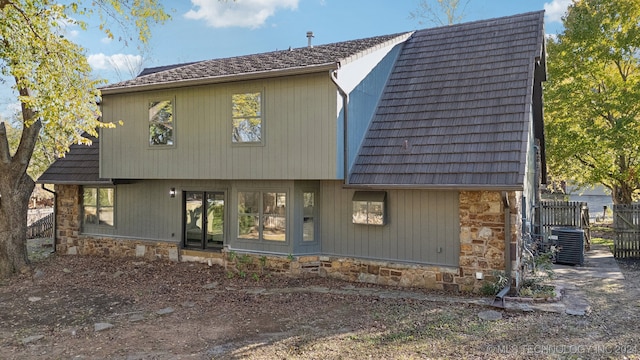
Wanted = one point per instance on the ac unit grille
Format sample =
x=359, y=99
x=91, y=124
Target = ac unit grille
x=570, y=246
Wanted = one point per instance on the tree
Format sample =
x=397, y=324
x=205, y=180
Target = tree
x=57, y=93
x=432, y=13
x=592, y=97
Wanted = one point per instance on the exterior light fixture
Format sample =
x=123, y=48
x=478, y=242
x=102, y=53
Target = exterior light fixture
x=172, y=192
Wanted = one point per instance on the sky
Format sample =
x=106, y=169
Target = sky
x=210, y=29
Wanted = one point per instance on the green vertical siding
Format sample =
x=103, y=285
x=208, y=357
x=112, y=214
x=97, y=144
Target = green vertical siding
x=422, y=226
x=299, y=131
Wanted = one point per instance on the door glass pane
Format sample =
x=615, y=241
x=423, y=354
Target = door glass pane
x=274, y=216
x=193, y=218
x=215, y=220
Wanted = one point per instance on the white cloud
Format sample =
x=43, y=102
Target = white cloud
x=69, y=27
x=556, y=9
x=245, y=13
x=106, y=40
x=118, y=62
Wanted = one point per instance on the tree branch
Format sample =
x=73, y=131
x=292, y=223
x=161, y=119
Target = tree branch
x=5, y=155
x=29, y=132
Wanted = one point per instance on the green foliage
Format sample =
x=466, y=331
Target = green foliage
x=51, y=73
x=592, y=97
x=494, y=284
x=244, y=264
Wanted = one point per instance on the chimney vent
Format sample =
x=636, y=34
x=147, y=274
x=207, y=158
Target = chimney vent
x=309, y=36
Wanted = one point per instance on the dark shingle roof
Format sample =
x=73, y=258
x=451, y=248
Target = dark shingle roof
x=299, y=58
x=79, y=166
x=456, y=109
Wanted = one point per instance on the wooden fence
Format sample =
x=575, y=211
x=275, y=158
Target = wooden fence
x=626, y=224
x=41, y=228
x=565, y=214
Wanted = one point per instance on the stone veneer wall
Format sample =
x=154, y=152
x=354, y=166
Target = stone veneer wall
x=482, y=246
x=70, y=240
x=482, y=236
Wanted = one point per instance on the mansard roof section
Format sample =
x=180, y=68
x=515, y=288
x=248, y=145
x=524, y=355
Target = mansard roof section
x=275, y=63
x=456, y=110
x=79, y=166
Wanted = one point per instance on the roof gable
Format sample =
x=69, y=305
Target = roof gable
x=456, y=109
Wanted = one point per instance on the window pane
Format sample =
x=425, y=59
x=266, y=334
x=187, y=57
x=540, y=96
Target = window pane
x=90, y=215
x=274, y=221
x=106, y=197
x=248, y=202
x=360, y=212
x=161, y=122
x=90, y=197
x=248, y=214
x=246, y=117
x=308, y=227
x=247, y=130
x=106, y=216
x=376, y=213
x=248, y=227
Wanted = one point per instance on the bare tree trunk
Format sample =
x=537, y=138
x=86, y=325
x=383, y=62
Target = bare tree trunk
x=13, y=223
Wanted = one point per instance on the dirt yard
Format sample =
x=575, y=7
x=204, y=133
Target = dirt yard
x=73, y=307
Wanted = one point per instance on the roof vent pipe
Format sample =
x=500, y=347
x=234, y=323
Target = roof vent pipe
x=309, y=37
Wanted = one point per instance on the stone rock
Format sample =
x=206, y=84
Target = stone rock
x=30, y=339
x=136, y=317
x=117, y=274
x=165, y=311
x=65, y=270
x=576, y=311
x=101, y=326
x=34, y=298
x=211, y=285
x=38, y=274
x=490, y=315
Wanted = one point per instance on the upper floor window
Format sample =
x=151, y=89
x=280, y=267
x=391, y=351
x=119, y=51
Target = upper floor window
x=161, y=123
x=98, y=206
x=246, y=118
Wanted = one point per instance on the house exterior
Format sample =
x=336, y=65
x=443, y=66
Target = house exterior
x=411, y=159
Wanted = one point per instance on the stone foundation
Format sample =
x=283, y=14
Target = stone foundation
x=104, y=246
x=482, y=248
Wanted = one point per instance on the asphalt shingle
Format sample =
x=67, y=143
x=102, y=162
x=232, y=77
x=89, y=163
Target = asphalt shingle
x=456, y=108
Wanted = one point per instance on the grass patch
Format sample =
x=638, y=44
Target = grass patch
x=603, y=241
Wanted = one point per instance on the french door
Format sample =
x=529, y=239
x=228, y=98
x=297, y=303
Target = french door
x=203, y=220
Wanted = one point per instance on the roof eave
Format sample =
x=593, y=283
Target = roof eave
x=223, y=79
x=466, y=187
x=75, y=182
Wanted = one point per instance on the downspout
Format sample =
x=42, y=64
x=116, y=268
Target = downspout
x=55, y=220
x=499, y=299
x=345, y=106
x=507, y=236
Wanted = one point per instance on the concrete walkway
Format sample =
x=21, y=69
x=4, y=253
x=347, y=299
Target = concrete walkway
x=599, y=263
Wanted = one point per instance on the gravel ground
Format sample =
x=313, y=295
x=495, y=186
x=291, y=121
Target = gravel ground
x=164, y=310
